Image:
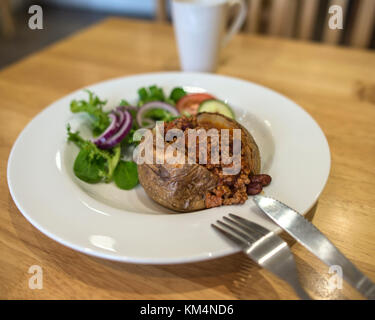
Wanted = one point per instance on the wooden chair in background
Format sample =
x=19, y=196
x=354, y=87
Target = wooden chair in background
x=6, y=18
x=161, y=11
x=363, y=27
x=302, y=19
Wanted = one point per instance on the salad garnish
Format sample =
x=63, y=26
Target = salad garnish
x=94, y=108
x=101, y=158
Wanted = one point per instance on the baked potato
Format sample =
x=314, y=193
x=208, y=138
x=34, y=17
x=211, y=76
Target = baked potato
x=185, y=187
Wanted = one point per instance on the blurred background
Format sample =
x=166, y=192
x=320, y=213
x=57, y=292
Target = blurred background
x=305, y=20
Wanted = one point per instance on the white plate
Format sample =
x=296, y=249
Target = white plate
x=107, y=222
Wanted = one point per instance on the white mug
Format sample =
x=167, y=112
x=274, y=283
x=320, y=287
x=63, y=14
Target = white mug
x=200, y=30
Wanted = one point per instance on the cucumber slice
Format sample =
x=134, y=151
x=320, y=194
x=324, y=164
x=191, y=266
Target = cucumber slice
x=216, y=106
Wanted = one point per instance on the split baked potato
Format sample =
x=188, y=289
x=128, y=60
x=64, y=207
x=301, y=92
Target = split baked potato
x=183, y=187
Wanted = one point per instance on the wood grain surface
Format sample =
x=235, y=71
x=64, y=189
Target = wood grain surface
x=335, y=85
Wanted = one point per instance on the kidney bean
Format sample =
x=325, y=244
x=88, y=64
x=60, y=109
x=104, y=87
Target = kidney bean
x=254, y=188
x=263, y=179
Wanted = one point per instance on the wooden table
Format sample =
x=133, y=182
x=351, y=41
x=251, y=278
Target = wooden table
x=335, y=85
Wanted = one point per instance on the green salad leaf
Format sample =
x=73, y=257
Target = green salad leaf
x=92, y=164
x=159, y=114
x=94, y=108
x=176, y=94
x=152, y=93
x=126, y=175
x=87, y=167
x=124, y=103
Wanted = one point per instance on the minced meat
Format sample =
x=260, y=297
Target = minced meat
x=231, y=189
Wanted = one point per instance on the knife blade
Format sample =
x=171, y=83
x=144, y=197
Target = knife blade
x=316, y=242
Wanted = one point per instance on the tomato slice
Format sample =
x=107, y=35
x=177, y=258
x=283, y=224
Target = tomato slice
x=190, y=103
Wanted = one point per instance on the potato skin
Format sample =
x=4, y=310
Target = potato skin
x=177, y=187
x=182, y=187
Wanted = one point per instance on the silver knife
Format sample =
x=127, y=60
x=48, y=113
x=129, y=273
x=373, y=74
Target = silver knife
x=312, y=239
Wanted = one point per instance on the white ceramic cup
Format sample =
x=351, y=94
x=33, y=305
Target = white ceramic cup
x=200, y=30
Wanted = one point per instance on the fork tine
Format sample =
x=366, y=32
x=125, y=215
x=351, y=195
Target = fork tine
x=230, y=236
x=249, y=228
x=237, y=232
x=249, y=232
x=251, y=225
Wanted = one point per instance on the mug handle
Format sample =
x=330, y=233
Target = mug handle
x=238, y=21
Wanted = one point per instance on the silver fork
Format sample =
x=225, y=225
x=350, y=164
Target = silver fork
x=264, y=247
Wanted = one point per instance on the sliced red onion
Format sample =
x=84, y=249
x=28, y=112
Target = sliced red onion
x=120, y=118
x=121, y=133
x=153, y=105
x=109, y=132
